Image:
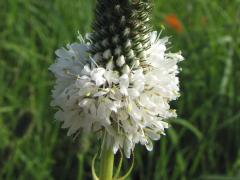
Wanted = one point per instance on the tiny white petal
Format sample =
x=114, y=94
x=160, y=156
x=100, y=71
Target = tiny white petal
x=111, y=77
x=133, y=93
x=149, y=145
x=97, y=76
x=124, y=83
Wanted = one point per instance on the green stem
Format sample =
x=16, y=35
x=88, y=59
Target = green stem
x=106, y=163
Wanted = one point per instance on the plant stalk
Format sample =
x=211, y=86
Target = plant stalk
x=106, y=163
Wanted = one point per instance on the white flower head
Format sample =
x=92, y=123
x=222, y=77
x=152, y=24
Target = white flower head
x=130, y=105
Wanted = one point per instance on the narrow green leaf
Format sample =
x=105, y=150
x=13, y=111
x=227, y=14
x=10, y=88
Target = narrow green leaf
x=93, y=168
x=119, y=165
x=187, y=125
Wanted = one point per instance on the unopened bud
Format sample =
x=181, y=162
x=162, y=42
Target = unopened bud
x=116, y=39
x=123, y=20
x=117, y=8
x=120, y=61
x=126, y=69
x=136, y=63
x=143, y=55
x=130, y=54
x=105, y=42
x=139, y=46
x=128, y=44
x=112, y=28
x=126, y=32
x=110, y=65
x=107, y=54
x=117, y=51
x=97, y=57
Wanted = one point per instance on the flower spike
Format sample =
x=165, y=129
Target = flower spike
x=118, y=81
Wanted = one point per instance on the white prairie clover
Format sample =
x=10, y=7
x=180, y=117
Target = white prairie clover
x=118, y=81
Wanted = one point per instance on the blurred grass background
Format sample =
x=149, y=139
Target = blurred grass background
x=204, y=143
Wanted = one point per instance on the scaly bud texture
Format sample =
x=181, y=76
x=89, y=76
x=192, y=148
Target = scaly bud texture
x=121, y=31
x=119, y=80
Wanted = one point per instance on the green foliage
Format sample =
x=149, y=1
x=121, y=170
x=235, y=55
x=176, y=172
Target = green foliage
x=204, y=143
